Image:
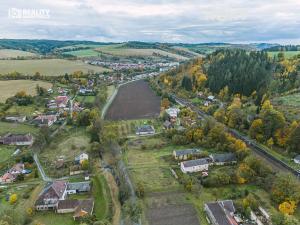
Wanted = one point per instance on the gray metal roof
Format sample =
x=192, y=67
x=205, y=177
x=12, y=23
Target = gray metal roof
x=225, y=157
x=187, y=151
x=221, y=210
x=80, y=186
x=196, y=162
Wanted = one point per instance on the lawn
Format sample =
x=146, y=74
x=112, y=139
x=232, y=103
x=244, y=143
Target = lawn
x=86, y=99
x=118, y=50
x=6, y=152
x=51, y=218
x=287, y=54
x=102, y=197
x=28, y=110
x=11, y=53
x=151, y=157
x=17, y=128
x=47, y=67
x=110, y=90
x=11, y=87
x=288, y=100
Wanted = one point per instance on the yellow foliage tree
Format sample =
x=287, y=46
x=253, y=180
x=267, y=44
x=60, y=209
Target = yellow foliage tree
x=13, y=199
x=267, y=105
x=270, y=143
x=287, y=207
x=165, y=103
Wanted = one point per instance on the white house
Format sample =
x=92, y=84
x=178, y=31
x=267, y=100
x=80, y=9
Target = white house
x=297, y=159
x=172, y=112
x=145, y=130
x=196, y=165
x=81, y=157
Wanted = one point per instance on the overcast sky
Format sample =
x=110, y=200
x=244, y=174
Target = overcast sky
x=192, y=21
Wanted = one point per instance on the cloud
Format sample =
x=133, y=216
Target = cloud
x=157, y=20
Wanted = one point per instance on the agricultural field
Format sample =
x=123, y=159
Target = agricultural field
x=118, y=50
x=11, y=87
x=135, y=100
x=47, y=67
x=287, y=54
x=83, y=53
x=11, y=53
x=289, y=105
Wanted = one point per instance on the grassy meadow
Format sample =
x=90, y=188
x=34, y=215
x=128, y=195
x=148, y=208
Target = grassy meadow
x=11, y=87
x=83, y=53
x=11, y=53
x=17, y=128
x=287, y=54
x=118, y=50
x=46, y=67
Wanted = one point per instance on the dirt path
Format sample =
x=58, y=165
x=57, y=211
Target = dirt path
x=114, y=191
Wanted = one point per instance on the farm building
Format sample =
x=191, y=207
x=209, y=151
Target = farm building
x=222, y=159
x=196, y=165
x=51, y=195
x=17, y=139
x=185, y=154
x=145, y=130
x=221, y=212
x=78, y=187
x=18, y=119
x=297, y=159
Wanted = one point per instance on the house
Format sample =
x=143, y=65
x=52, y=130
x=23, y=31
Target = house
x=145, y=130
x=86, y=91
x=80, y=208
x=172, y=112
x=50, y=91
x=18, y=119
x=222, y=159
x=78, y=187
x=211, y=98
x=79, y=159
x=196, y=165
x=17, y=139
x=61, y=101
x=45, y=120
x=297, y=159
x=221, y=212
x=8, y=178
x=51, y=195
x=185, y=154
x=18, y=169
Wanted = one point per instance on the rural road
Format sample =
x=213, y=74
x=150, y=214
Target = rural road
x=276, y=164
x=41, y=170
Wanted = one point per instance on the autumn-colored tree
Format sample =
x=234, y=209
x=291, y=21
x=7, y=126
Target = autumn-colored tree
x=165, y=103
x=220, y=115
x=287, y=207
x=13, y=199
x=256, y=129
x=270, y=143
x=85, y=164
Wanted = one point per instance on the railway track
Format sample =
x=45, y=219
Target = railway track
x=277, y=164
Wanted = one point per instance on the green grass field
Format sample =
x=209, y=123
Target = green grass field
x=11, y=53
x=17, y=128
x=6, y=152
x=11, y=87
x=118, y=50
x=47, y=67
x=289, y=100
x=83, y=53
x=287, y=54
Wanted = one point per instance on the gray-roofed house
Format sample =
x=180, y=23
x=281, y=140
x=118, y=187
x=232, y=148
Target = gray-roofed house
x=145, y=130
x=297, y=159
x=196, y=165
x=17, y=139
x=78, y=187
x=185, y=153
x=224, y=158
x=221, y=212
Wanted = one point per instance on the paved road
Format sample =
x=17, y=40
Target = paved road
x=41, y=170
x=276, y=164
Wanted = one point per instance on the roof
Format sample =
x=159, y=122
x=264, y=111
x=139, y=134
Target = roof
x=196, y=162
x=53, y=189
x=187, y=152
x=68, y=204
x=80, y=186
x=225, y=157
x=145, y=128
x=85, y=207
x=221, y=211
x=12, y=138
